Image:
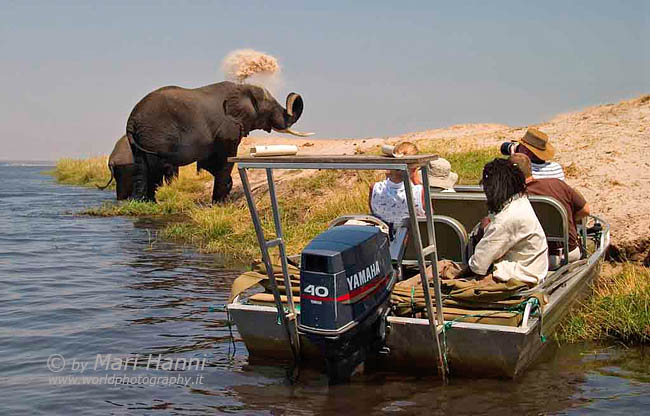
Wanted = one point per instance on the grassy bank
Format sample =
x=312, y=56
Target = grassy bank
x=83, y=172
x=188, y=192
x=308, y=203
x=618, y=310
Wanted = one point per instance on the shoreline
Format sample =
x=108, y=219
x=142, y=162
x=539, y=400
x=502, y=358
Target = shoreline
x=312, y=198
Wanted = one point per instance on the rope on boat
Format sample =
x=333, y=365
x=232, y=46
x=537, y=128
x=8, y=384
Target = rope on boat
x=285, y=309
x=293, y=371
x=229, y=322
x=413, y=304
x=536, y=309
x=444, y=336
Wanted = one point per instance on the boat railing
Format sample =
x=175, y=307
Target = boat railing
x=288, y=319
x=565, y=273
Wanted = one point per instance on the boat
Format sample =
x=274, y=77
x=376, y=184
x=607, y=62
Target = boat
x=437, y=339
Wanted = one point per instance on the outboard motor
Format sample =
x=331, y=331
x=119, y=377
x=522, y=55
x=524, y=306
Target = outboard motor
x=346, y=278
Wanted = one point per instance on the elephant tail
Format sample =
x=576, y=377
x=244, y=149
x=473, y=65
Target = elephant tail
x=129, y=135
x=134, y=143
x=101, y=188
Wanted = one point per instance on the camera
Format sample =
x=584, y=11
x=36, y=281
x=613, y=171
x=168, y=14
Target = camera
x=508, y=148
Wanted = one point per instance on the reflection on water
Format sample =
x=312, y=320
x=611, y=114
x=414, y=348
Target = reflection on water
x=566, y=380
x=79, y=286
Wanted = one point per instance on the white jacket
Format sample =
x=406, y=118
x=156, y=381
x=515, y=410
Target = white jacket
x=515, y=243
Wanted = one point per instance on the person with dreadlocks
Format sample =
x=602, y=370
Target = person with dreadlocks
x=513, y=244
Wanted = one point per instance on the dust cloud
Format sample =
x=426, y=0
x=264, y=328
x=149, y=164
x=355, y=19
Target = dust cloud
x=252, y=67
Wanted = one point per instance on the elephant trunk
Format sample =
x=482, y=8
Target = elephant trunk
x=294, y=108
x=101, y=188
x=292, y=114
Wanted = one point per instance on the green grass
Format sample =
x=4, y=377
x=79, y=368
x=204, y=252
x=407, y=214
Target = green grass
x=127, y=208
x=83, y=172
x=467, y=163
x=185, y=193
x=618, y=310
x=307, y=203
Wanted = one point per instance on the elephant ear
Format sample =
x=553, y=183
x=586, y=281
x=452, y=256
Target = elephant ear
x=241, y=107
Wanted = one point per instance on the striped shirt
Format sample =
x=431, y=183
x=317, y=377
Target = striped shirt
x=547, y=170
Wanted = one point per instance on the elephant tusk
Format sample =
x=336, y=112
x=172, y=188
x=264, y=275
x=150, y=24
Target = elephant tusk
x=295, y=133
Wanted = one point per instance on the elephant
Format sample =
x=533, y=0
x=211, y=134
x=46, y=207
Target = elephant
x=180, y=126
x=122, y=166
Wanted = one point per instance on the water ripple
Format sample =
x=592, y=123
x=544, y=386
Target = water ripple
x=79, y=287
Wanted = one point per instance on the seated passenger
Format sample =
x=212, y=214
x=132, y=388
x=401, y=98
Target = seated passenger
x=513, y=244
x=536, y=146
x=441, y=178
x=387, y=198
x=575, y=204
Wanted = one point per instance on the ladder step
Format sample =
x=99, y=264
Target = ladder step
x=428, y=250
x=274, y=242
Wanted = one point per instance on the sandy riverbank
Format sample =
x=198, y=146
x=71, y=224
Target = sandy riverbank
x=605, y=151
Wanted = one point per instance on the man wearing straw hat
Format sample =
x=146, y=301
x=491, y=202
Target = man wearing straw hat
x=538, y=148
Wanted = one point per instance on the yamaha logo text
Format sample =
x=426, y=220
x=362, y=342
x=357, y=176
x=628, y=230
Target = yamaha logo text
x=364, y=276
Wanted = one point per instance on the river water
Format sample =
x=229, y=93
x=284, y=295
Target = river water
x=83, y=298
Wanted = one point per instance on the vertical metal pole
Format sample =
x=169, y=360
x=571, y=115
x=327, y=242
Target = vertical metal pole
x=267, y=261
x=431, y=231
x=415, y=230
x=283, y=254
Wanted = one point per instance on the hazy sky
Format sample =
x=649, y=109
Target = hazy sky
x=71, y=72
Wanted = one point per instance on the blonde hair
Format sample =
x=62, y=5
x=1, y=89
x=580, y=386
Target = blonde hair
x=406, y=149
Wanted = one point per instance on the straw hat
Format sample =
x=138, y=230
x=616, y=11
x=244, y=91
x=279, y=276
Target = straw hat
x=440, y=174
x=537, y=142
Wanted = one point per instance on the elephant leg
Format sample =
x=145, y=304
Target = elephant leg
x=171, y=173
x=140, y=176
x=154, y=177
x=222, y=183
x=217, y=166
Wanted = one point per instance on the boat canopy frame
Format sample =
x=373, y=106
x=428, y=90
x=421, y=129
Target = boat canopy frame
x=288, y=318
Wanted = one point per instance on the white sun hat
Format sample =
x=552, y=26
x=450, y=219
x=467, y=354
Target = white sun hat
x=440, y=174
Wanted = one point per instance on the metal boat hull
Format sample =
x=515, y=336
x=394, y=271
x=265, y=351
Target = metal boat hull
x=473, y=349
